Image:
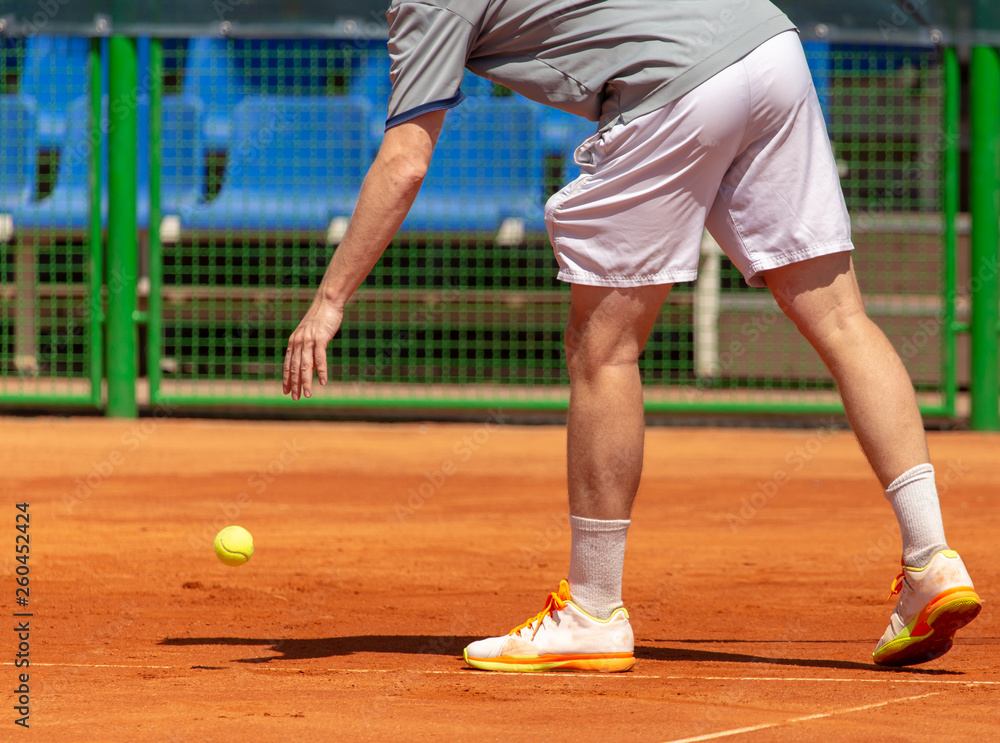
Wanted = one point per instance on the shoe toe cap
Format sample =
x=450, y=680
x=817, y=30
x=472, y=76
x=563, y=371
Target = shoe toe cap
x=491, y=647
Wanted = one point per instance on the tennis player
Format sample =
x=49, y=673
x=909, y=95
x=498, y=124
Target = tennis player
x=706, y=116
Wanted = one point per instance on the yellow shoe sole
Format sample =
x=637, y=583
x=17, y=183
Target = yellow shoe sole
x=599, y=663
x=931, y=633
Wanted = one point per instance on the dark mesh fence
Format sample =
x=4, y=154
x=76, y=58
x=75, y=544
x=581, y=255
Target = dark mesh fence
x=47, y=222
x=262, y=148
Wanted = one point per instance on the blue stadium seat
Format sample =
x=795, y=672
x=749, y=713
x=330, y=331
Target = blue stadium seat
x=288, y=66
x=54, y=74
x=295, y=164
x=473, y=85
x=818, y=57
x=181, y=160
x=487, y=170
x=221, y=73
x=67, y=207
x=370, y=76
x=369, y=82
x=142, y=134
x=562, y=133
x=11, y=54
x=211, y=78
x=17, y=157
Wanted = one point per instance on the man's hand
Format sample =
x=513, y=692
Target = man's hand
x=307, y=348
x=386, y=196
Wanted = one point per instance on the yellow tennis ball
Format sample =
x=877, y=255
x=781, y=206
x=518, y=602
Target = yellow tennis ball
x=234, y=545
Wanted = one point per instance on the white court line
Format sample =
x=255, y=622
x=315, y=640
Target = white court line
x=821, y=679
x=94, y=665
x=752, y=728
x=609, y=676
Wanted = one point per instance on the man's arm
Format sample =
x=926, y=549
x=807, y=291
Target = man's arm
x=388, y=192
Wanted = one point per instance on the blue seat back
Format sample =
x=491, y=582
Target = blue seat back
x=473, y=85
x=286, y=66
x=182, y=161
x=181, y=154
x=11, y=57
x=369, y=76
x=489, y=146
x=562, y=133
x=182, y=178
x=211, y=77
x=78, y=147
x=17, y=150
x=55, y=73
x=305, y=145
x=820, y=66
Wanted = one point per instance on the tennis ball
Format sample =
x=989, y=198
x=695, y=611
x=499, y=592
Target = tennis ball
x=234, y=545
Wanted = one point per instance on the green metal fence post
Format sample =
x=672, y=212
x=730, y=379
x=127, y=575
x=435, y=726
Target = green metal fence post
x=984, y=285
x=96, y=268
x=155, y=307
x=122, y=252
x=951, y=186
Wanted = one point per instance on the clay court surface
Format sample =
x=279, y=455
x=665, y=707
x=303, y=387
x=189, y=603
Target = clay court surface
x=757, y=572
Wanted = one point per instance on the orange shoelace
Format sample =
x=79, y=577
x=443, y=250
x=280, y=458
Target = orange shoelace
x=552, y=603
x=897, y=586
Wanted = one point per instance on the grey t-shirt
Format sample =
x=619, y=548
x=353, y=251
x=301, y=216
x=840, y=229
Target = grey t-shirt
x=606, y=60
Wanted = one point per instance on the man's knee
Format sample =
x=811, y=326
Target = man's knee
x=597, y=343
x=610, y=326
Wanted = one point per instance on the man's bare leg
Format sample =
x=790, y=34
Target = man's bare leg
x=607, y=331
x=936, y=595
x=822, y=298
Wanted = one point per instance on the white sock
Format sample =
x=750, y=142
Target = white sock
x=914, y=499
x=597, y=558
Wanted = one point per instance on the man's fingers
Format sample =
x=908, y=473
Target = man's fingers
x=295, y=370
x=306, y=352
x=286, y=375
x=305, y=370
x=319, y=356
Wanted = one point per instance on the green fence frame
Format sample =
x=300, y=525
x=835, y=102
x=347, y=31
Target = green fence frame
x=94, y=300
x=122, y=246
x=691, y=404
x=123, y=318
x=984, y=284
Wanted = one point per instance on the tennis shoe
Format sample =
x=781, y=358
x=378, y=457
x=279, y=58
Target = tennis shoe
x=561, y=637
x=934, y=602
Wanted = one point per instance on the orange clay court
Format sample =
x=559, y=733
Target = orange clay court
x=756, y=576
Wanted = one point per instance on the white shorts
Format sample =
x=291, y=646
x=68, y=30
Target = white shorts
x=746, y=154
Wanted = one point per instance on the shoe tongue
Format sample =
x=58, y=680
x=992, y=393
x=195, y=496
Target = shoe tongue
x=563, y=592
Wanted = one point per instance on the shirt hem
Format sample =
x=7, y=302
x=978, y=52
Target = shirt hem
x=424, y=108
